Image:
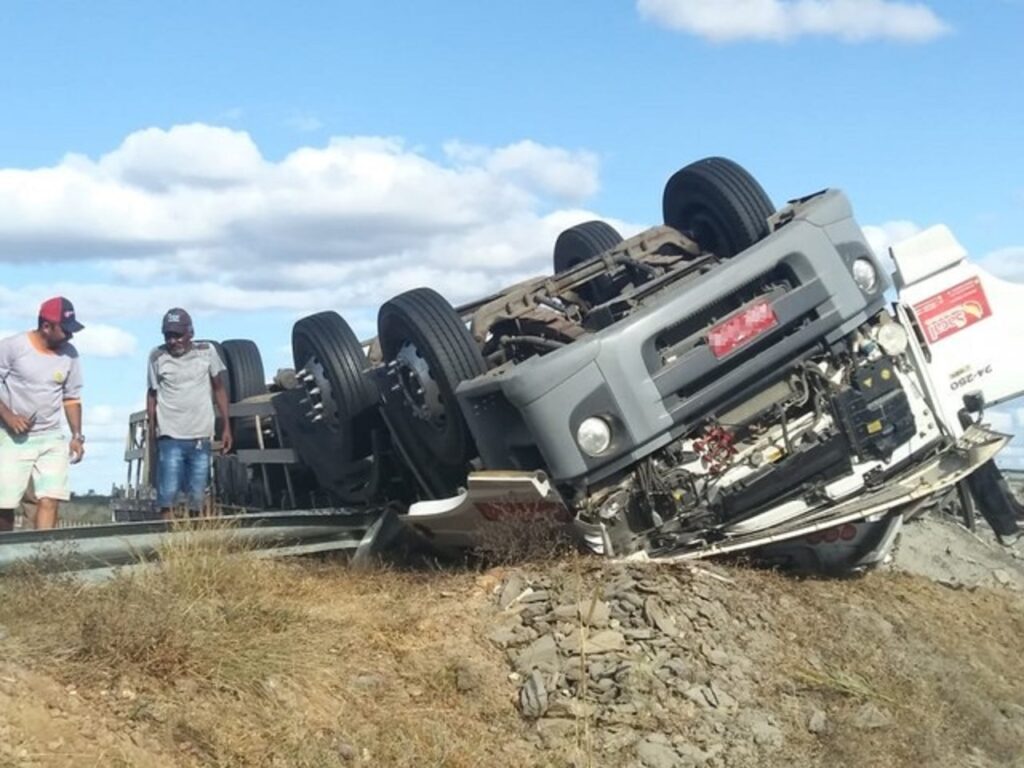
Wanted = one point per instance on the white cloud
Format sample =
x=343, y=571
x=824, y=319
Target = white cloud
x=194, y=215
x=852, y=21
x=98, y=340
x=1007, y=263
x=107, y=423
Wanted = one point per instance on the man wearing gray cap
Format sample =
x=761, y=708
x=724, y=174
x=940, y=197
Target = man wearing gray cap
x=182, y=376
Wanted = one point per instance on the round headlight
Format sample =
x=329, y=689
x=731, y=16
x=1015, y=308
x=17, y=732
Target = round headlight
x=892, y=338
x=865, y=275
x=594, y=436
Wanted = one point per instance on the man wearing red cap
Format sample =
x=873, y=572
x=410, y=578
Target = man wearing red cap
x=39, y=376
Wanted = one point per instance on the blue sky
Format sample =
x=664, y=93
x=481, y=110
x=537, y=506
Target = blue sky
x=254, y=162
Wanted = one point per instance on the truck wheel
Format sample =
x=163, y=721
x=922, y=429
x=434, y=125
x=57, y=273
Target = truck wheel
x=582, y=243
x=428, y=351
x=332, y=366
x=719, y=204
x=244, y=378
x=245, y=368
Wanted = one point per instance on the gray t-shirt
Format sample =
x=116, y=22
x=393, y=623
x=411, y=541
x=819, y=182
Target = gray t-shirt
x=36, y=381
x=184, y=401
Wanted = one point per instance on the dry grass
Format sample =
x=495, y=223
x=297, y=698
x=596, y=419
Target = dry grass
x=214, y=659
x=937, y=661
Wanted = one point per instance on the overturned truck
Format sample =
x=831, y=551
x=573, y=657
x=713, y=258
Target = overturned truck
x=736, y=378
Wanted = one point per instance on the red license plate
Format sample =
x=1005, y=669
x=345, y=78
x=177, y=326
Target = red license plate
x=741, y=329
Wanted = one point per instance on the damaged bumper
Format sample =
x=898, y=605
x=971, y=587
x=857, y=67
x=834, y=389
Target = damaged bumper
x=493, y=500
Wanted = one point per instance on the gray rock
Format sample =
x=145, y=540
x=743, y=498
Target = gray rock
x=643, y=633
x=817, y=722
x=658, y=754
x=593, y=613
x=541, y=654
x=692, y=755
x=513, y=588
x=870, y=716
x=710, y=696
x=533, y=696
x=534, y=596
x=554, y=731
x=763, y=729
x=512, y=634
x=716, y=656
x=602, y=641
x=570, y=706
x=347, y=752
x=630, y=600
x=678, y=667
x=659, y=617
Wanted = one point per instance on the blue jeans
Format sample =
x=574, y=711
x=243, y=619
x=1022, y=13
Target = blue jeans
x=182, y=465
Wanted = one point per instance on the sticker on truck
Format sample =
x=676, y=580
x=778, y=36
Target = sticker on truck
x=954, y=309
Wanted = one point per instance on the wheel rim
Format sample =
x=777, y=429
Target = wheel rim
x=320, y=392
x=419, y=390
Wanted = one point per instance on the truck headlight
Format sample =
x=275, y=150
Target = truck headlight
x=892, y=338
x=594, y=436
x=865, y=275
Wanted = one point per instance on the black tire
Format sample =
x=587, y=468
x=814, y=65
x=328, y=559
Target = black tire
x=243, y=378
x=719, y=204
x=426, y=344
x=582, y=243
x=245, y=369
x=324, y=345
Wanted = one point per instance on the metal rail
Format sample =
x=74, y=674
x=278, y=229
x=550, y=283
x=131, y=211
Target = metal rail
x=99, y=550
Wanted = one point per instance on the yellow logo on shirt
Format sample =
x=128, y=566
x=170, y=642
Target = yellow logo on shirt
x=58, y=376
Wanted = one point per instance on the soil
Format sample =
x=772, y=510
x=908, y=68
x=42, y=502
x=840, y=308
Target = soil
x=569, y=662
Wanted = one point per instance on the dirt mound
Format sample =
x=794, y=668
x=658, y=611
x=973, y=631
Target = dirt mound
x=699, y=666
x=946, y=552
x=581, y=662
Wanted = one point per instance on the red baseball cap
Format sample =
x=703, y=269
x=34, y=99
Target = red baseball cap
x=60, y=311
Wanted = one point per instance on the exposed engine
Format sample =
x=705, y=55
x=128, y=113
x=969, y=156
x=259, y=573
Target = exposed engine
x=824, y=429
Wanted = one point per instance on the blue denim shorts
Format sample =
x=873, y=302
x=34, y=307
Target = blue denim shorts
x=183, y=466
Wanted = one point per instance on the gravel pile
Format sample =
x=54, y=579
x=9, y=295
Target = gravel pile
x=640, y=665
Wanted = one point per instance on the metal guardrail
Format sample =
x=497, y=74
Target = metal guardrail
x=97, y=551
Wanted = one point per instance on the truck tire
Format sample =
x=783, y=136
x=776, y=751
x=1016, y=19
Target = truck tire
x=243, y=378
x=245, y=369
x=719, y=204
x=582, y=243
x=325, y=346
x=429, y=351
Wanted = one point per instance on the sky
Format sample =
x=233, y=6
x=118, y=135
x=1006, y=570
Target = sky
x=255, y=162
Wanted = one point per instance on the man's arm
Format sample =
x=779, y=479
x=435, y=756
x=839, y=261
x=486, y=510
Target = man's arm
x=220, y=395
x=18, y=424
x=73, y=412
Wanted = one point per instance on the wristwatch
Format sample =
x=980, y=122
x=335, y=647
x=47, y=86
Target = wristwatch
x=79, y=437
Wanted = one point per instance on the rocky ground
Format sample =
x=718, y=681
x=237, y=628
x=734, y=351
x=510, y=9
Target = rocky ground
x=569, y=662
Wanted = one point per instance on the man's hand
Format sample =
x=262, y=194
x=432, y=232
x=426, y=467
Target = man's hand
x=19, y=425
x=226, y=439
x=76, y=449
